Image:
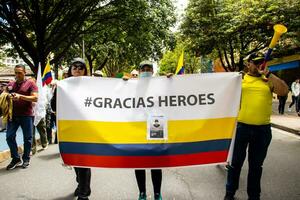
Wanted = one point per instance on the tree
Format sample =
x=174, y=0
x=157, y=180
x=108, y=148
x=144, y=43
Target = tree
x=141, y=33
x=36, y=28
x=192, y=62
x=234, y=29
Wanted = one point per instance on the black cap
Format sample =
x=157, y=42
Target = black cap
x=256, y=58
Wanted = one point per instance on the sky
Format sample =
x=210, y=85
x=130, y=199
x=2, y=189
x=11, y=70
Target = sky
x=180, y=6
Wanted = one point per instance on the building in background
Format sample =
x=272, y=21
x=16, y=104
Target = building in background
x=7, y=61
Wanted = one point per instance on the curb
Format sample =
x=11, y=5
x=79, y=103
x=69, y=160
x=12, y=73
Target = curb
x=4, y=155
x=290, y=130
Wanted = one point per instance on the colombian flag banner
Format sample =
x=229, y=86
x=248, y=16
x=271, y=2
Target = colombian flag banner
x=148, y=122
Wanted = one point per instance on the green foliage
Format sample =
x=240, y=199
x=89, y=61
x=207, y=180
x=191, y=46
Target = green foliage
x=141, y=32
x=36, y=28
x=192, y=63
x=115, y=32
x=231, y=29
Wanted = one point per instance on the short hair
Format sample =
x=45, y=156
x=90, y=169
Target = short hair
x=20, y=66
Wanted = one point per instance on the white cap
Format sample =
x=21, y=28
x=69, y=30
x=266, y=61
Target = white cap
x=98, y=73
x=134, y=72
x=80, y=60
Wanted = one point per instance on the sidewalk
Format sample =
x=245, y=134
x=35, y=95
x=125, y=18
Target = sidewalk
x=289, y=122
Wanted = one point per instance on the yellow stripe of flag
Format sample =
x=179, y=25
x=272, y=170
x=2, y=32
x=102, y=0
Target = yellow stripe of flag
x=180, y=63
x=47, y=68
x=136, y=132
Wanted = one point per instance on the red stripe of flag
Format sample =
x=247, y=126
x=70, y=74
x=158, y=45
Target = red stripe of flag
x=145, y=161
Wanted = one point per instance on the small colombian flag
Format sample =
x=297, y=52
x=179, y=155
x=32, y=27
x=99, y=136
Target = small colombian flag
x=180, y=65
x=47, y=76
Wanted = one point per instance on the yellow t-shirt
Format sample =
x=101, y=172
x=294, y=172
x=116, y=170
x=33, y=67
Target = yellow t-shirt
x=256, y=101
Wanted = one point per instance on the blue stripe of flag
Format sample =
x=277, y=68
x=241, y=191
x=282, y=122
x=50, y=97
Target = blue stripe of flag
x=143, y=149
x=47, y=75
x=181, y=71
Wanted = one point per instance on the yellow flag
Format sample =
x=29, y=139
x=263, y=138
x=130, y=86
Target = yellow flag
x=180, y=65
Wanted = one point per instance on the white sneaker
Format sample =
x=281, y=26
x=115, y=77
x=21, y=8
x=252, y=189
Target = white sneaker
x=290, y=109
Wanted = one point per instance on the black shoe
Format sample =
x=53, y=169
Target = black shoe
x=142, y=196
x=15, y=162
x=229, y=196
x=25, y=164
x=76, y=192
x=254, y=198
x=157, y=196
x=83, y=198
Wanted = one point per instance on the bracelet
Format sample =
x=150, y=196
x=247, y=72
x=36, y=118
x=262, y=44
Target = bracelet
x=268, y=74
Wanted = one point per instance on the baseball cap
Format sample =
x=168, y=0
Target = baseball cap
x=256, y=58
x=146, y=63
x=78, y=60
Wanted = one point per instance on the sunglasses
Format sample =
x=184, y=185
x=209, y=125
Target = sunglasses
x=79, y=67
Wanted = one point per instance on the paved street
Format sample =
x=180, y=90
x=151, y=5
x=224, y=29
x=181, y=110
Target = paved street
x=46, y=178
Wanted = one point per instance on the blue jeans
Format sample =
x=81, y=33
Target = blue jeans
x=257, y=138
x=26, y=123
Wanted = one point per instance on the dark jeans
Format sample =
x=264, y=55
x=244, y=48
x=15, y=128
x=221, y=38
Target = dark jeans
x=156, y=175
x=257, y=139
x=26, y=123
x=83, y=178
x=281, y=105
x=51, y=123
x=295, y=99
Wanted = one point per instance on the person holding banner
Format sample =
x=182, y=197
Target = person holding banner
x=253, y=128
x=146, y=70
x=83, y=175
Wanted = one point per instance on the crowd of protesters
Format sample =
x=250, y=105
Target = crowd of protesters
x=252, y=133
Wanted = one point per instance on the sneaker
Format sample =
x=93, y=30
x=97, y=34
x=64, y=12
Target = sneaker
x=157, y=196
x=142, y=196
x=83, y=198
x=76, y=192
x=290, y=109
x=254, y=198
x=25, y=164
x=227, y=167
x=229, y=197
x=44, y=147
x=15, y=162
x=33, y=151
